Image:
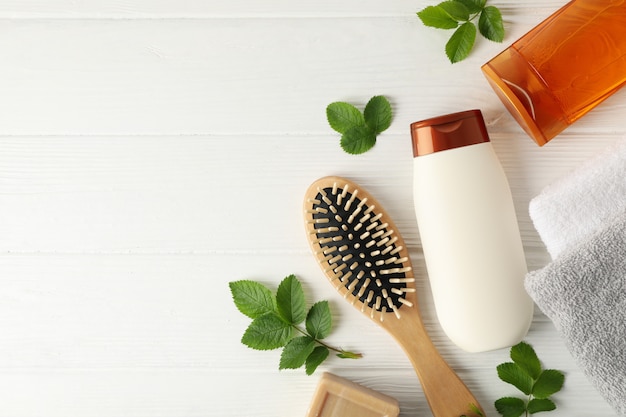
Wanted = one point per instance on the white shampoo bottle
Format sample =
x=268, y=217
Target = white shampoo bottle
x=469, y=233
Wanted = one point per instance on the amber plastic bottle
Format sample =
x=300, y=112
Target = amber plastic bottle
x=562, y=68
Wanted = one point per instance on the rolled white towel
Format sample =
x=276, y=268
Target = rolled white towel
x=582, y=202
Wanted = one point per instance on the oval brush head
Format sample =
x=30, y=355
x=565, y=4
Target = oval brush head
x=358, y=248
x=365, y=258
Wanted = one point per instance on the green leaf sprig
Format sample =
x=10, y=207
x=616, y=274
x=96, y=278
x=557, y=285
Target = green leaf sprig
x=276, y=320
x=359, y=130
x=475, y=410
x=527, y=375
x=460, y=15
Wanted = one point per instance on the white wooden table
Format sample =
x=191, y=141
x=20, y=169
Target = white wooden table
x=153, y=151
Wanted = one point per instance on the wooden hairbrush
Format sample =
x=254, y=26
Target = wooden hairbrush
x=364, y=256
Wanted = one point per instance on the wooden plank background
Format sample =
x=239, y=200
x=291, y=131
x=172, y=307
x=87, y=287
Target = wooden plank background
x=153, y=151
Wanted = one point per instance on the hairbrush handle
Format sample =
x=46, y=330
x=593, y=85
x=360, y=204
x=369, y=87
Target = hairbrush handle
x=445, y=392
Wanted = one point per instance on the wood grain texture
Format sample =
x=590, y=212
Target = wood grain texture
x=179, y=76
x=98, y=335
x=153, y=151
x=173, y=194
x=138, y=9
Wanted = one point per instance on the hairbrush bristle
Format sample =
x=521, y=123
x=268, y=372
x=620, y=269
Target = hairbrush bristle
x=358, y=249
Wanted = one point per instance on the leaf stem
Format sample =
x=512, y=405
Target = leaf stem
x=346, y=353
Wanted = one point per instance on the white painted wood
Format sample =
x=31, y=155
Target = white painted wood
x=212, y=194
x=137, y=9
x=98, y=335
x=231, y=76
x=153, y=151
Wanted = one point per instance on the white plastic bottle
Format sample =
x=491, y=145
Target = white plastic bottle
x=469, y=233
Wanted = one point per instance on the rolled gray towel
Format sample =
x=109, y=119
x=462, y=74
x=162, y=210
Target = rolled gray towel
x=583, y=292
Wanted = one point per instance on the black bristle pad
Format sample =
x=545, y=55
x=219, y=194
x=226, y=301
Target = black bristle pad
x=359, y=246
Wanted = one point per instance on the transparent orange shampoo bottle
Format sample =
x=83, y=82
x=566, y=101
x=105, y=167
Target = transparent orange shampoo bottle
x=563, y=67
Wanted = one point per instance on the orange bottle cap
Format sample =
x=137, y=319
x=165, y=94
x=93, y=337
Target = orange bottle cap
x=448, y=132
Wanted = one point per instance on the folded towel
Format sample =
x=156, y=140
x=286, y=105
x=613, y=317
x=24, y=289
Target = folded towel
x=577, y=205
x=583, y=292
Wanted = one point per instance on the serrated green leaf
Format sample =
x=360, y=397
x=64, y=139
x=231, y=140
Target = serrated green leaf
x=290, y=301
x=537, y=405
x=510, y=407
x=267, y=332
x=295, y=353
x=511, y=373
x=358, y=139
x=436, y=17
x=490, y=24
x=461, y=42
x=343, y=116
x=319, y=355
x=456, y=10
x=473, y=6
x=549, y=382
x=377, y=114
x=319, y=320
x=252, y=298
x=526, y=358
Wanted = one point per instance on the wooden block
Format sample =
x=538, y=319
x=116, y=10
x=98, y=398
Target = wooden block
x=338, y=397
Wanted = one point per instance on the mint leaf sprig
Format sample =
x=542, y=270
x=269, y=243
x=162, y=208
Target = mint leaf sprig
x=460, y=15
x=527, y=375
x=276, y=320
x=359, y=130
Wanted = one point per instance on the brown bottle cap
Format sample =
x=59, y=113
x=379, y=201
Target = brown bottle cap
x=448, y=132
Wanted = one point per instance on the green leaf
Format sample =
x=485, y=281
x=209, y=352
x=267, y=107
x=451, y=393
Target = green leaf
x=343, y=116
x=358, y=139
x=526, y=358
x=473, y=6
x=319, y=355
x=267, y=332
x=461, y=42
x=455, y=10
x=476, y=410
x=377, y=114
x=490, y=24
x=319, y=320
x=251, y=298
x=290, y=300
x=510, y=407
x=436, y=17
x=537, y=405
x=349, y=355
x=511, y=373
x=549, y=382
x=295, y=353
